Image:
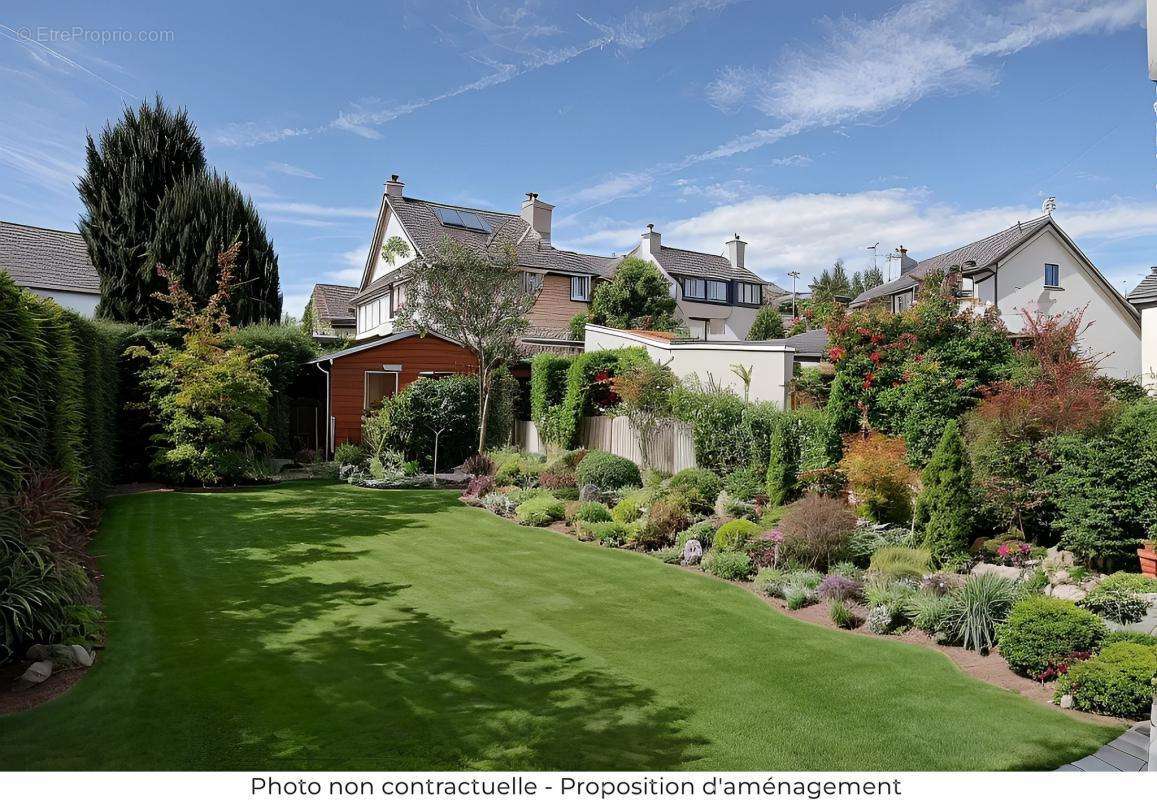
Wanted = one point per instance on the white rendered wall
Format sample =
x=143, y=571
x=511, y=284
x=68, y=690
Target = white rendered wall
x=83, y=303
x=1149, y=348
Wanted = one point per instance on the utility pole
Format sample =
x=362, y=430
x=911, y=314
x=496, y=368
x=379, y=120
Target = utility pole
x=793, y=275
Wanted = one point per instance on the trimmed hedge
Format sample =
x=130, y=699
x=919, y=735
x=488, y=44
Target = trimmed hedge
x=1118, y=681
x=287, y=374
x=1042, y=633
x=541, y=510
x=607, y=471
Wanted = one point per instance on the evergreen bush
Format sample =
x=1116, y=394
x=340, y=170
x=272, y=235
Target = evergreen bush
x=944, y=509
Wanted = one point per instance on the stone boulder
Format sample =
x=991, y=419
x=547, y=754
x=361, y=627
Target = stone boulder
x=692, y=552
x=1056, y=557
x=1066, y=591
x=1012, y=573
x=590, y=493
x=37, y=672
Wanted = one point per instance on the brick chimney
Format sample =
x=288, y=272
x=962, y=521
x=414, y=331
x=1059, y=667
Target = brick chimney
x=537, y=215
x=394, y=186
x=735, y=251
x=652, y=240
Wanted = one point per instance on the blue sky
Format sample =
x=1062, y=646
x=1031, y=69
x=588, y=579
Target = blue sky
x=813, y=130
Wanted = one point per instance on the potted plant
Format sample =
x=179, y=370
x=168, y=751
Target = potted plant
x=1148, y=558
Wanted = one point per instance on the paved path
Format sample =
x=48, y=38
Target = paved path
x=1127, y=753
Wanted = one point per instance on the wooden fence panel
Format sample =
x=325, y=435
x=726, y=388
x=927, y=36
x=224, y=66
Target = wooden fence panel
x=674, y=447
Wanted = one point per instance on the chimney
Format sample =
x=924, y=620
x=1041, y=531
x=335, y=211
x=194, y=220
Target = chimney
x=652, y=240
x=537, y=214
x=735, y=249
x=394, y=186
x=906, y=261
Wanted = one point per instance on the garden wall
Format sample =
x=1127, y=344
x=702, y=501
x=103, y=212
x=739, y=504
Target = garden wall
x=674, y=448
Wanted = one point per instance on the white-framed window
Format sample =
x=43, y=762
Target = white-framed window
x=901, y=302
x=967, y=286
x=1052, y=275
x=379, y=385
x=580, y=288
x=694, y=288
x=532, y=282
x=397, y=299
x=750, y=294
x=717, y=291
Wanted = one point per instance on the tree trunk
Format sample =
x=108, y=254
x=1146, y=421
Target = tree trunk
x=483, y=405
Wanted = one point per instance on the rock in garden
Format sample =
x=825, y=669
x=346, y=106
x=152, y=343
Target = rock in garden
x=692, y=552
x=37, y=672
x=1012, y=573
x=721, y=503
x=1060, y=576
x=589, y=493
x=1066, y=591
x=1067, y=701
x=39, y=652
x=1057, y=557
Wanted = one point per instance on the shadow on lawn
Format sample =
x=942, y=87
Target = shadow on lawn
x=376, y=684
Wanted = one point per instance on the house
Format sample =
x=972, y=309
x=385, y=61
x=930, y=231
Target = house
x=1031, y=266
x=51, y=263
x=330, y=312
x=1144, y=297
x=384, y=359
x=716, y=297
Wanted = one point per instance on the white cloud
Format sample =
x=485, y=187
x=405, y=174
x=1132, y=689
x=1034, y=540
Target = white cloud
x=351, y=273
x=809, y=231
x=292, y=170
x=315, y=210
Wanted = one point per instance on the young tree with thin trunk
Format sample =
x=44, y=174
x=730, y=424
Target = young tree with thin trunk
x=478, y=299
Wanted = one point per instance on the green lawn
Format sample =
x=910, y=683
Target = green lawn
x=323, y=626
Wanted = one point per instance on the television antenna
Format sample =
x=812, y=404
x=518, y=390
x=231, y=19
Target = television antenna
x=873, y=248
x=793, y=275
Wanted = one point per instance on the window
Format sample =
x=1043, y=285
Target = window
x=694, y=288
x=580, y=288
x=750, y=294
x=967, y=287
x=397, y=299
x=1052, y=275
x=901, y=302
x=379, y=386
x=531, y=282
x=717, y=291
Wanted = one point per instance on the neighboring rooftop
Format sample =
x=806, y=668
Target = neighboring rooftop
x=984, y=252
x=813, y=343
x=677, y=261
x=45, y=258
x=331, y=303
x=1146, y=292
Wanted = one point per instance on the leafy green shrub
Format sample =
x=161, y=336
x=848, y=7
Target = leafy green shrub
x=878, y=475
x=734, y=535
x=732, y=566
x=518, y=471
x=716, y=418
x=291, y=349
x=979, y=608
x=768, y=324
x=520, y=496
x=1043, y=632
x=498, y=503
x=901, y=562
x=703, y=532
x=816, y=530
x=592, y=512
x=547, y=389
x=842, y=616
x=783, y=463
x=770, y=581
x=349, y=453
x=668, y=555
x=665, y=518
x=930, y=613
x=745, y=483
x=798, y=596
x=894, y=595
x=427, y=405
x=611, y=534
x=1118, y=681
x=632, y=506
x=608, y=471
x=1116, y=602
x=1133, y=637
x=590, y=390
x=539, y=511
x=700, y=486
x=944, y=509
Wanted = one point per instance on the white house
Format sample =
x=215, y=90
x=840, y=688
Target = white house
x=1144, y=297
x=1030, y=266
x=51, y=263
x=717, y=297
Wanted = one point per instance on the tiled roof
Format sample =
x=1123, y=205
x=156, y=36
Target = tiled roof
x=43, y=258
x=808, y=343
x=1146, y=292
x=331, y=303
x=422, y=223
x=676, y=261
x=985, y=252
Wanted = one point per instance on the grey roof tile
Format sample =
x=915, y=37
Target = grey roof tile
x=677, y=261
x=1146, y=292
x=44, y=258
x=331, y=302
x=808, y=343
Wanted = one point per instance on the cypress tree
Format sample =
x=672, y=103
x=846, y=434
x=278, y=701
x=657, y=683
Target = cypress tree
x=126, y=176
x=200, y=217
x=783, y=466
x=944, y=508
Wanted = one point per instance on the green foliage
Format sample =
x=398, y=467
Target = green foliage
x=548, y=383
x=729, y=565
x=632, y=506
x=1117, y=601
x=611, y=534
x=770, y=581
x=944, y=509
x=288, y=373
x=428, y=405
x=589, y=389
x=744, y=484
x=700, y=486
x=979, y=609
x=666, y=517
x=637, y=296
x=644, y=389
x=716, y=419
x=519, y=470
x=901, y=562
x=1104, y=486
x=349, y=453
x=1133, y=637
x=768, y=324
x=802, y=441
x=201, y=216
x=1043, y=632
x=592, y=512
x=842, y=616
x=702, y=532
x=735, y=535
x=127, y=175
x=783, y=464
x=541, y=510
x=502, y=408
x=578, y=326
x=878, y=475
x=1118, y=681
x=930, y=613
x=608, y=471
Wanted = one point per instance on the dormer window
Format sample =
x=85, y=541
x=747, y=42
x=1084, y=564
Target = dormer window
x=750, y=294
x=717, y=291
x=694, y=288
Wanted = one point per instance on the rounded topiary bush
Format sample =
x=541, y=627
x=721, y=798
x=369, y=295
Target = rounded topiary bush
x=699, y=486
x=1119, y=681
x=592, y=512
x=608, y=471
x=541, y=510
x=1042, y=633
x=735, y=534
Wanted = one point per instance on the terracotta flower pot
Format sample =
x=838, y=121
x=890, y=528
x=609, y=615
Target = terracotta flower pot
x=1148, y=558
